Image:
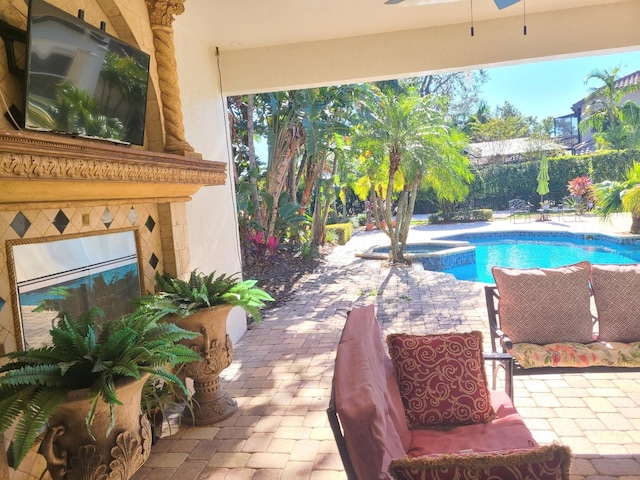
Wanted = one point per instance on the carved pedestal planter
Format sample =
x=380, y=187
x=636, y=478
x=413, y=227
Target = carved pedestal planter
x=72, y=454
x=211, y=403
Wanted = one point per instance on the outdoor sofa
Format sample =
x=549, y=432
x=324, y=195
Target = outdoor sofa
x=428, y=414
x=577, y=318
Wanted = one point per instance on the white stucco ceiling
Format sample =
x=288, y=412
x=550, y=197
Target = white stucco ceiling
x=247, y=24
x=268, y=45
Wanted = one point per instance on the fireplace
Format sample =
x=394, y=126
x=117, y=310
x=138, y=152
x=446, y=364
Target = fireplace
x=75, y=193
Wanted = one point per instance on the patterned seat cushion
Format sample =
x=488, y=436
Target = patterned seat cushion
x=605, y=354
x=616, y=291
x=545, y=305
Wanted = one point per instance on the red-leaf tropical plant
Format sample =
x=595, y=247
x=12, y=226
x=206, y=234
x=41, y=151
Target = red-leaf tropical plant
x=581, y=189
x=262, y=248
x=579, y=186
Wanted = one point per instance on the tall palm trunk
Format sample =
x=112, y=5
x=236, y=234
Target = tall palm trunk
x=396, y=253
x=255, y=198
x=287, y=145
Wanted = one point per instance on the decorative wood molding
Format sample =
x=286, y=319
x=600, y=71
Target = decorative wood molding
x=90, y=170
x=161, y=16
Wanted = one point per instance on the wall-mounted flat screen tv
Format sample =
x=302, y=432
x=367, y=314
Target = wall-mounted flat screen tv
x=82, y=81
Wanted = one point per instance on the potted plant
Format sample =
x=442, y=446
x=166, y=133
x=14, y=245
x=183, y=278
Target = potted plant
x=202, y=304
x=84, y=391
x=160, y=399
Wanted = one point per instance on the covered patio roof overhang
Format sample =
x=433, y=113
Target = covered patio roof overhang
x=270, y=46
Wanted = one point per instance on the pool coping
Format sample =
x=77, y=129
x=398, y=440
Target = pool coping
x=627, y=239
x=457, y=246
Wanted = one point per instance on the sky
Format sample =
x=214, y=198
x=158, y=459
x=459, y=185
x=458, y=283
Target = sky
x=548, y=89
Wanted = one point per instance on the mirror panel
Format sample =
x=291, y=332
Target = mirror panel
x=71, y=274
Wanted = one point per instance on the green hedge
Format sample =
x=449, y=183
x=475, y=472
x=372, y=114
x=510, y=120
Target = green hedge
x=495, y=185
x=461, y=216
x=343, y=231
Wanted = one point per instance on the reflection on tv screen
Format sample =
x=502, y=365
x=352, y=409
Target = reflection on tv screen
x=82, y=81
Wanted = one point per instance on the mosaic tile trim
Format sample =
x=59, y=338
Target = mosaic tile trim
x=448, y=260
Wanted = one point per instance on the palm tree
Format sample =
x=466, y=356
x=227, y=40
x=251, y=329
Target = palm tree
x=404, y=144
x=604, y=112
x=617, y=197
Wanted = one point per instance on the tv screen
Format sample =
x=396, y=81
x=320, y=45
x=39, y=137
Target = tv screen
x=82, y=81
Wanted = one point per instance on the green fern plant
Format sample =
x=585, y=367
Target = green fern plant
x=86, y=352
x=203, y=291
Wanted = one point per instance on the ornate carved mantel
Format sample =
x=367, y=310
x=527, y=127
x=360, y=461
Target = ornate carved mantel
x=48, y=168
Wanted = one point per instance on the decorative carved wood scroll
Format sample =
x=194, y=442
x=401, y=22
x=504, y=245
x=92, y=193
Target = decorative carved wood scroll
x=161, y=15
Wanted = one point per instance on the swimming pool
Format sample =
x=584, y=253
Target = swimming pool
x=546, y=250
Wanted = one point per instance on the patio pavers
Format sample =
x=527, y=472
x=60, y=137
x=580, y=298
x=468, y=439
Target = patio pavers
x=282, y=370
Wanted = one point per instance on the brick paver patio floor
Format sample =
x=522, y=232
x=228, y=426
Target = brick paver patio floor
x=282, y=370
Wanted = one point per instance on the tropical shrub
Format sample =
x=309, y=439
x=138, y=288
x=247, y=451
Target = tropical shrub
x=262, y=249
x=343, y=232
x=461, y=216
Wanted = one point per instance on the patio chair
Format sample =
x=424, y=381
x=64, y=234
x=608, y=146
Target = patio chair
x=517, y=205
x=569, y=206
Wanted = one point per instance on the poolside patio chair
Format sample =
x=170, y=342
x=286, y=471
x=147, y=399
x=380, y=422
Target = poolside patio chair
x=569, y=205
x=517, y=205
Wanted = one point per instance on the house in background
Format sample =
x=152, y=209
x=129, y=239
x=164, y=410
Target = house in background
x=513, y=150
x=567, y=127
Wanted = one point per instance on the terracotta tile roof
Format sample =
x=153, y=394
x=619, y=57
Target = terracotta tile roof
x=631, y=79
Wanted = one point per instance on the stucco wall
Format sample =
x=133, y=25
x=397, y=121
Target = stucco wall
x=211, y=214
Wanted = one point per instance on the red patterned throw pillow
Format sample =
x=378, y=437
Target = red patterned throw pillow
x=442, y=378
x=550, y=462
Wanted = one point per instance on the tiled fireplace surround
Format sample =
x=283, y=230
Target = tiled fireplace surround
x=54, y=188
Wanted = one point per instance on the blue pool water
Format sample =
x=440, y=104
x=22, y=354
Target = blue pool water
x=527, y=250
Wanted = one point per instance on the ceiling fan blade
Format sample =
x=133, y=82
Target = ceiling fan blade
x=393, y=2
x=505, y=3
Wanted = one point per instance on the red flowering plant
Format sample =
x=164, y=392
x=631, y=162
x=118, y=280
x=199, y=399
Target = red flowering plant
x=262, y=248
x=581, y=189
x=579, y=186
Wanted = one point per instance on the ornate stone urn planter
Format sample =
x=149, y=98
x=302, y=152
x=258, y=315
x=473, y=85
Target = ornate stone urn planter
x=84, y=392
x=201, y=304
x=211, y=402
x=70, y=451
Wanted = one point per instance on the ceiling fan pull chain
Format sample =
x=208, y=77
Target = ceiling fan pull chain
x=472, y=30
x=524, y=16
